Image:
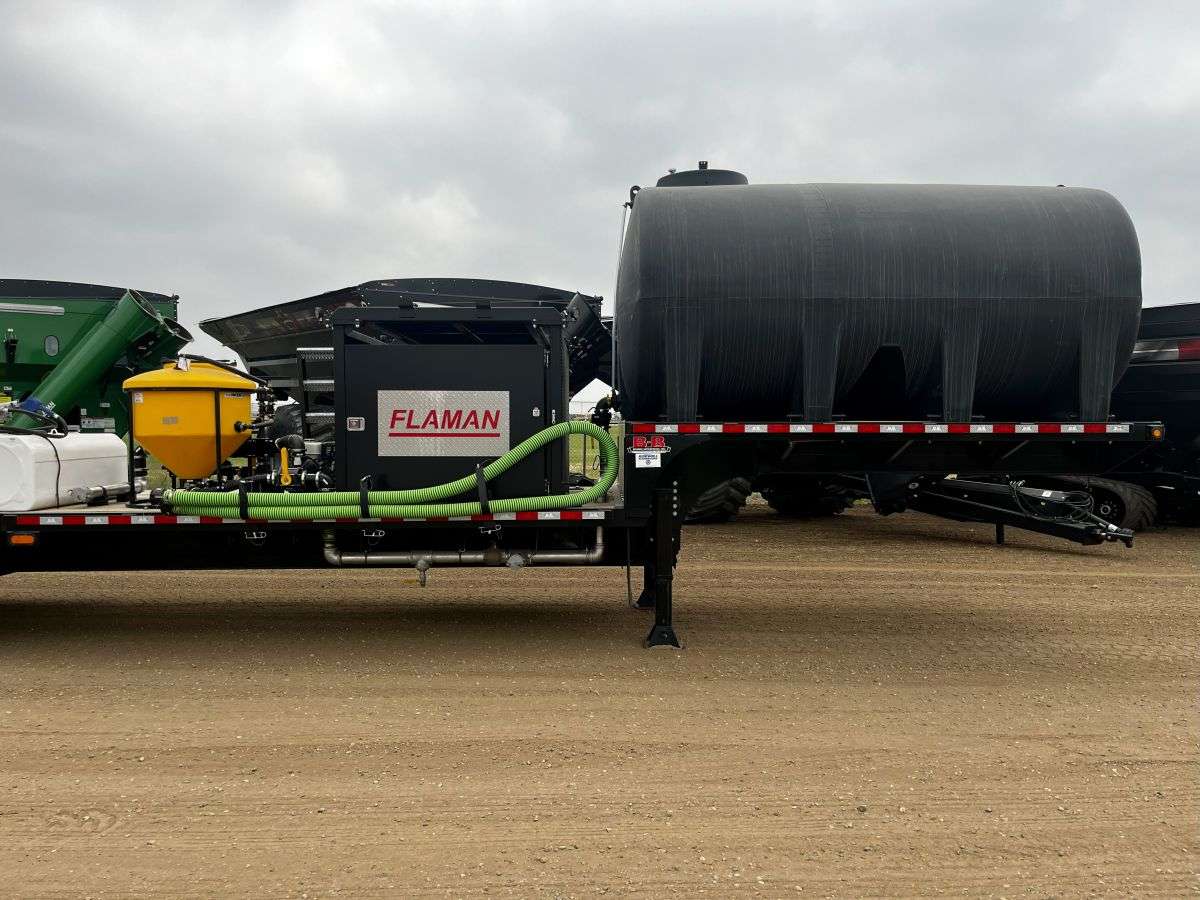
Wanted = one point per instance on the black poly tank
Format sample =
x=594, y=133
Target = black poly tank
x=760, y=302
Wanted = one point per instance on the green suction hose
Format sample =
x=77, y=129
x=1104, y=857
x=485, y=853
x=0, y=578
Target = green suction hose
x=414, y=503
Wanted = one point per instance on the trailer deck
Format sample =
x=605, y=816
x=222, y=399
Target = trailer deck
x=666, y=464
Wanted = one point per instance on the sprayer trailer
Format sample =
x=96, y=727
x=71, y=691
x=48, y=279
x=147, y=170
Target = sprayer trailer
x=906, y=333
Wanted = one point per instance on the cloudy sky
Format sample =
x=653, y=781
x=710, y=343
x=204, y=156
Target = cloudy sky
x=242, y=153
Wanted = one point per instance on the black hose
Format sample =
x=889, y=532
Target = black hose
x=1079, y=503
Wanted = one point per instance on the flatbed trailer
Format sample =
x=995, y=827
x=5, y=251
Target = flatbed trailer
x=665, y=465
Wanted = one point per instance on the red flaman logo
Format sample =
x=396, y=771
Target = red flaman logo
x=449, y=422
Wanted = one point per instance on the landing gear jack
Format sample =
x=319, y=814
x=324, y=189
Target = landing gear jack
x=657, y=579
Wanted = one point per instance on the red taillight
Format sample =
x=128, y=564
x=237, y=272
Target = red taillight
x=1189, y=348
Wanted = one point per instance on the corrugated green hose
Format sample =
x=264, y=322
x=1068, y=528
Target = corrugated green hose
x=416, y=502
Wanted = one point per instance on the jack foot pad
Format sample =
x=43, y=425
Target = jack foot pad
x=662, y=636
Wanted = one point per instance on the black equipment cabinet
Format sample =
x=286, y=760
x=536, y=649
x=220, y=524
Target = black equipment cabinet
x=424, y=395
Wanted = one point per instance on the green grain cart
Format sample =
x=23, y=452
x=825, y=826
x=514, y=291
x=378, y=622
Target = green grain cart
x=67, y=347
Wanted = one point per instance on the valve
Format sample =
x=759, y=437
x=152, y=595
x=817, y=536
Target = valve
x=285, y=473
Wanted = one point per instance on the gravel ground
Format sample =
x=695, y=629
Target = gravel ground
x=865, y=706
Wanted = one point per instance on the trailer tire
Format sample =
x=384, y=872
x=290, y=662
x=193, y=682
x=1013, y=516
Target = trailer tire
x=720, y=503
x=1123, y=504
x=288, y=420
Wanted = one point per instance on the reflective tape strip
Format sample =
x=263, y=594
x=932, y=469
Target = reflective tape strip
x=125, y=519
x=881, y=428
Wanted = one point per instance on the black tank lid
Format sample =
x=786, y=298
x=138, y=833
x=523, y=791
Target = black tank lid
x=700, y=176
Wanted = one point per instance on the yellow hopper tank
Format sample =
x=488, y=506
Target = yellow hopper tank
x=188, y=417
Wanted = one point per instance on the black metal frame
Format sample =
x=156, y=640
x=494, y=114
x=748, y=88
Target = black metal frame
x=644, y=530
x=695, y=461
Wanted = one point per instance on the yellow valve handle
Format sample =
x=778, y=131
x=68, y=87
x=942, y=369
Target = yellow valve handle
x=285, y=475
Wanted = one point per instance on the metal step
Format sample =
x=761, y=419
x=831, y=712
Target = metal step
x=315, y=353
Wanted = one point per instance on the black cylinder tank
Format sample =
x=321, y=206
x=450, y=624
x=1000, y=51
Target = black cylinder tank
x=753, y=302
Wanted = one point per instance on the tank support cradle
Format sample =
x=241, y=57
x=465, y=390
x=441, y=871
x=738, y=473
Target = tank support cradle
x=658, y=578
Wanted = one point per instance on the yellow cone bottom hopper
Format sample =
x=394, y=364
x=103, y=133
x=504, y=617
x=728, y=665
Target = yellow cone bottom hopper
x=175, y=415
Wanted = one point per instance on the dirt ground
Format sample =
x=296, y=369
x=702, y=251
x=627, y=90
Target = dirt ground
x=865, y=706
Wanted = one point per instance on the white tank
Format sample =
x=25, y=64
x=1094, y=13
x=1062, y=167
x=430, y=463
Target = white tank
x=40, y=472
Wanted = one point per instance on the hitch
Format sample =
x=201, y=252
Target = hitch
x=1065, y=514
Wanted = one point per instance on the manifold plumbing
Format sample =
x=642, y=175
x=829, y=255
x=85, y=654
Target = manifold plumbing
x=423, y=560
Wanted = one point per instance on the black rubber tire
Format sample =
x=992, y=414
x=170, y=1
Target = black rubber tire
x=720, y=503
x=809, y=501
x=1121, y=503
x=287, y=421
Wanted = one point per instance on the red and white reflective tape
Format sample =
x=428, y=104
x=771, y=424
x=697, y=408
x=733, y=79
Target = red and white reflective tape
x=882, y=428
x=121, y=519
x=564, y=515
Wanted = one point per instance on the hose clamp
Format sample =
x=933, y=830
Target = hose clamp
x=481, y=487
x=364, y=500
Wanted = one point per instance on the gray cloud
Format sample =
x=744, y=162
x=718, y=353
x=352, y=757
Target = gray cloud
x=240, y=154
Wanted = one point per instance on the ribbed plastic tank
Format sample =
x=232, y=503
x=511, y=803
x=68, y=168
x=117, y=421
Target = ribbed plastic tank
x=752, y=302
